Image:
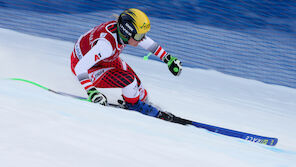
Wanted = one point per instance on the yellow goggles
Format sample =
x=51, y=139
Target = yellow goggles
x=139, y=37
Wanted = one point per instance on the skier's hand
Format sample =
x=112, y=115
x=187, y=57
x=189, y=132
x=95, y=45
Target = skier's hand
x=96, y=97
x=175, y=65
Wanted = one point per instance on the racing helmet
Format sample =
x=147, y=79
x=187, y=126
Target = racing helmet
x=132, y=23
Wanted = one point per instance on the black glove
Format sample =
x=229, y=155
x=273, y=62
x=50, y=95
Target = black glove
x=96, y=97
x=175, y=65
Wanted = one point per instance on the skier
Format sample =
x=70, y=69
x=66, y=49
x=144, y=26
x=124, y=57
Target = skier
x=96, y=63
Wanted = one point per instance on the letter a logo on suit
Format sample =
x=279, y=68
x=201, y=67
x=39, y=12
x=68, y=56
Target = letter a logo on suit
x=98, y=57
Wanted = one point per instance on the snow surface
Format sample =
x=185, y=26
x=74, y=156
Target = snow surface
x=39, y=128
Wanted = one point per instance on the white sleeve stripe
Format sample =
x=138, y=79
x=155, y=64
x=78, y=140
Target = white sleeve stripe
x=86, y=84
x=160, y=53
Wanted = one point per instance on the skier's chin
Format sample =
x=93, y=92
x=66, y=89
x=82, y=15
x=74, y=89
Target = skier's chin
x=133, y=42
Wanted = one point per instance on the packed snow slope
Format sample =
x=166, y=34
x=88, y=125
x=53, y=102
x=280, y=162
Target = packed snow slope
x=39, y=128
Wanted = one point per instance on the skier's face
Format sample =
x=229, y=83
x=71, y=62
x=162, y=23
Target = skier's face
x=133, y=42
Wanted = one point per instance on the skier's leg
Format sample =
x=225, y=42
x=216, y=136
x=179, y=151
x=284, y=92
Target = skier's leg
x=111, y=78
x=131, y=95
x=142, y=91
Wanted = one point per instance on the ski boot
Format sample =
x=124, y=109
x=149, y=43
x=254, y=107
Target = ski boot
x=165, y=116
x=143, y=108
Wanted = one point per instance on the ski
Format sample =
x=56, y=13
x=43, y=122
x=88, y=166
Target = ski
x=270, y=141
x=243, y=135
x=228, y=132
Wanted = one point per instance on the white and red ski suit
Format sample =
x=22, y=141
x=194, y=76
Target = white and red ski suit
x=96, y=63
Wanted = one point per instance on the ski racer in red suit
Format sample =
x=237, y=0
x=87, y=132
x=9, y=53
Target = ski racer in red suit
x=96, y=63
